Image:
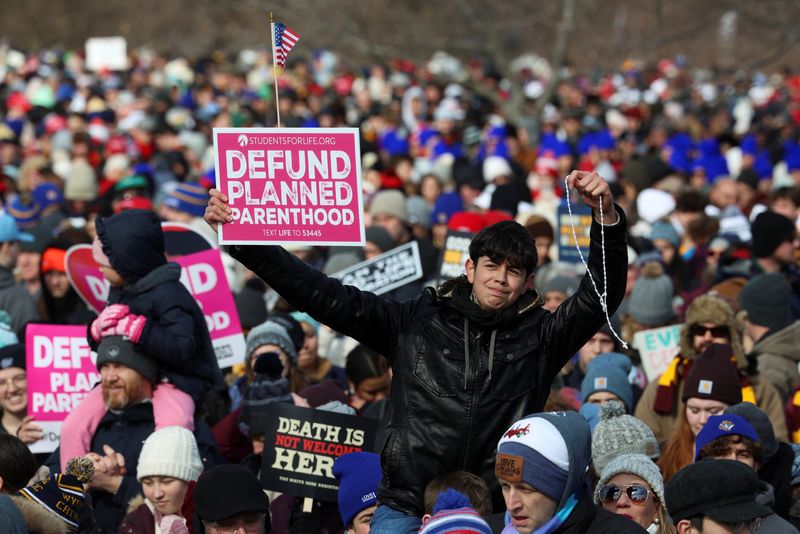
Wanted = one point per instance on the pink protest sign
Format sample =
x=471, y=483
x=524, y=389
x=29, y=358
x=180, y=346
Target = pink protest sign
x=60, y=371
x=290, y=185
x=85, y=276
x=204, y=276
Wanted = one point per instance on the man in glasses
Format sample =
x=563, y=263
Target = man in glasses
x=228, y=498
x=541, y=467
x=709, y=319
x=732, y=437
x=716, y=497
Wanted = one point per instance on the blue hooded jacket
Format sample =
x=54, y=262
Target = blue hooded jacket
x=175, y=333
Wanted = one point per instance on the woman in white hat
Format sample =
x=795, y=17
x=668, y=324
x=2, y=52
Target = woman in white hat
x=169, y=461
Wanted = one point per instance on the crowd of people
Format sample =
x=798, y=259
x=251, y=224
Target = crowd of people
x=509, y=399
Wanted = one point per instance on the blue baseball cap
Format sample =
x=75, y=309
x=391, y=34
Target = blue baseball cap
x=719, y=426
x=10, y=232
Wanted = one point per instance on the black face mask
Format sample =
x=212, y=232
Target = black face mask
x=268, y=364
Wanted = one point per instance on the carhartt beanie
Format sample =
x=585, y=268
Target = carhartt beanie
x=619, y=433
x=633, y=464
x=650, y=302
x=769, y=230
x=765, y=298
x=170, y=452
x=550, y=451
x=713, y=376
x=608, y=372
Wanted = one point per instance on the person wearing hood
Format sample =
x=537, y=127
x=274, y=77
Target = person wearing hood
x=149, y=306
x=541, y=466
x=731, y=437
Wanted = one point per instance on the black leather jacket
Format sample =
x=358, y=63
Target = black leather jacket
x=450, y=405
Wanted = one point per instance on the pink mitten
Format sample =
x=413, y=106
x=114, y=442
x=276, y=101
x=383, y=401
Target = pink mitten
x=130, y=327
x=108, y=319
x=173, y=524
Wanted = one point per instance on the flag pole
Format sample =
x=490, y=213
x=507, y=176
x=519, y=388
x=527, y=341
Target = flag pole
x=275, y=66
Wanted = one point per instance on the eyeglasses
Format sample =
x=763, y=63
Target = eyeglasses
x=249, y=522
x=716, y=331
x=19, y=381
x=636, y=493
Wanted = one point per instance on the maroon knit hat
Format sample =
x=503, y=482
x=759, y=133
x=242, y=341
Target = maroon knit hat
x=714, y=376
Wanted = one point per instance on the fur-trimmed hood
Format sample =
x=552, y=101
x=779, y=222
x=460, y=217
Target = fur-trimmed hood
x=135, y=503
x=37, y=518
x=712, y=309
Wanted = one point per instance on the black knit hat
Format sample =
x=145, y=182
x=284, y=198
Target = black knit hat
x=12, y=356
x=769, y=230
x=227, y=490
x=765, y=298
x=723, y=490
x=116, y=349
x=714, y=376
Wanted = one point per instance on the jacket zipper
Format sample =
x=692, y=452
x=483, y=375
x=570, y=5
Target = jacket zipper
x=471, y=398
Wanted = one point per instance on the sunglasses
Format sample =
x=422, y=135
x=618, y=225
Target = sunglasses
x=636, y=493
x=716, y=331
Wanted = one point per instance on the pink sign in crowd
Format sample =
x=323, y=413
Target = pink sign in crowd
x=172, y=262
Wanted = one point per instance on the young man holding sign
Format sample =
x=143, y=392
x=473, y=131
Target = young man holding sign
x=468, y=359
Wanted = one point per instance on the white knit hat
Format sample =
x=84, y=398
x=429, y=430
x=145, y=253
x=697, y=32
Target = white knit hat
x=170, y=452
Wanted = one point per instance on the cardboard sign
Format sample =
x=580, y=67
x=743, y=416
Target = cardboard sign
x=109, y=53
x=61, y=371
x=657, y=348
x=301, y=444
x=455, y=253
x=290, y=185
x=383, y=273
x=203, y=275
x=582, y=217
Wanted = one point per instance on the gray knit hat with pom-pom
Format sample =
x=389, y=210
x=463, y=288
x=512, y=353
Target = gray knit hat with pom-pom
x=619, y=433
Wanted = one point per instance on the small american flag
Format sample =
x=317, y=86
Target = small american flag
x=285, y=39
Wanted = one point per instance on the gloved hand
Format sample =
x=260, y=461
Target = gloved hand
x=108, y=320
x=129, y=327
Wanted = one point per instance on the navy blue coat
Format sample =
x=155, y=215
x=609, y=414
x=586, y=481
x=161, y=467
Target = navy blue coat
x=175, y=334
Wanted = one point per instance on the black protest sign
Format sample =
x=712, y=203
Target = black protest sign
x=582, y=219
x=301, y=444
x=383, y=273
x=454, y=254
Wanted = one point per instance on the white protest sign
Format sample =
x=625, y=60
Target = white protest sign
x=657, y=347
x=106, y=53
x=386, y=272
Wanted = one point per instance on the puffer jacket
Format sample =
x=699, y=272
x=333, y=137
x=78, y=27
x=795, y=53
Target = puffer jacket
x=175, y=333
x=456, y=387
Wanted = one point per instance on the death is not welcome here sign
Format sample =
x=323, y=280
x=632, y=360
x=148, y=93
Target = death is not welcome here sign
x=301, y=444
x=290, y=185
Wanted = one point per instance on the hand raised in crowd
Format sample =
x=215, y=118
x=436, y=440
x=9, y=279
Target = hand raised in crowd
x=593, y=188
x=217, y=210
x=108, y=470
x=29, y=432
